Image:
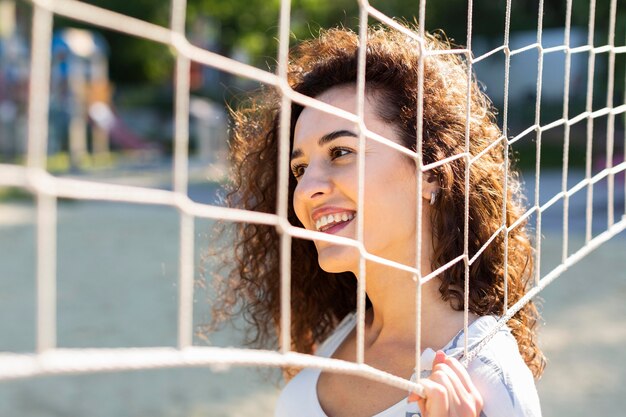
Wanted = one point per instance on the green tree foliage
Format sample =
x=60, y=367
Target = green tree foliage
x=252, y=25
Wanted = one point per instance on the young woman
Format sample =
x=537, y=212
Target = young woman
x=323, y=197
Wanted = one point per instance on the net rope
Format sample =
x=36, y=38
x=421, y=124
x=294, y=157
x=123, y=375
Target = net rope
x=51, y=360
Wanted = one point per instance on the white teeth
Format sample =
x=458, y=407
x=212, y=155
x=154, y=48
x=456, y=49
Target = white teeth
x=333, y=218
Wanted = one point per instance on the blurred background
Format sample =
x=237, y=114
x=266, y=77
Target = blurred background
x=111, y=119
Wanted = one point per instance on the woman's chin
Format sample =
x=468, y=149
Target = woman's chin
x=336, y=258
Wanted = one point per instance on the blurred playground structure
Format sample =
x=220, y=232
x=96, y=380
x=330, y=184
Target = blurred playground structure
x=81, y=98
x=83, y=118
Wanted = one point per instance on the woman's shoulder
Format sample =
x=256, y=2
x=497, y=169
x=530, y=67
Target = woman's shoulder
x=499, y=371
x=300, y=395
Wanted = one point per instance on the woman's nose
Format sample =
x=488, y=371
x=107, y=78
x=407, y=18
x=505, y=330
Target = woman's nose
x=314, y=183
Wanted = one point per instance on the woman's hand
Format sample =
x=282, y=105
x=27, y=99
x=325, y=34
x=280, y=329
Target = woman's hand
x=449, y=391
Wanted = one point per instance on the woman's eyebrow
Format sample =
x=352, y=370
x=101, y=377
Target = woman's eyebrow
x=329, y=137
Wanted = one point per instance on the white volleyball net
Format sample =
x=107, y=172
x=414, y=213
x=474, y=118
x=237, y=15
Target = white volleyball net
x=47, y=189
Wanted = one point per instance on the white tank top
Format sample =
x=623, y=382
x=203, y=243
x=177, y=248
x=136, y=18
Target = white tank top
x=499, y=372
x=299, y=397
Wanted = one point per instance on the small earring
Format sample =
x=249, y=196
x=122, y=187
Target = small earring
x=433, y=197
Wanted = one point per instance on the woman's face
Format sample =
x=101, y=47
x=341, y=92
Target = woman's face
x=324, y=161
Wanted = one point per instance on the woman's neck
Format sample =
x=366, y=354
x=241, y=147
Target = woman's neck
x=392, y=318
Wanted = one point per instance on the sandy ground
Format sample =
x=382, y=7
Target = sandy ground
x=117, y=268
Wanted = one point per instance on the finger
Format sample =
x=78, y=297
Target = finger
x=440, y=357
x=461, y=372
x=463, y=375
x=441, y=377
x=436, y=401
x=462, y=400
x=421, y=404
x=458, y=393
x=414, y=397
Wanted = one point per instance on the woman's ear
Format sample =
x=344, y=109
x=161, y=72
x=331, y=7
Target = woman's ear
x=430, y=187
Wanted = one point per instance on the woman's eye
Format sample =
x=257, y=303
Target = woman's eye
x=298, y=170
x=339, y=152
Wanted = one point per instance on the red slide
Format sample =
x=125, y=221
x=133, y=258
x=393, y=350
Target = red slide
x=104, y=117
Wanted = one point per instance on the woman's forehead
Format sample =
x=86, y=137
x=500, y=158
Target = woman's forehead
x=314, y=122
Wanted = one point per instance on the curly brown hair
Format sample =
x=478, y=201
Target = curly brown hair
x=320, y=299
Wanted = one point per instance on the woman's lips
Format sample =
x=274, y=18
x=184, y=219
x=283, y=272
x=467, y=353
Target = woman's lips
x=337, y=227
x=334, y=216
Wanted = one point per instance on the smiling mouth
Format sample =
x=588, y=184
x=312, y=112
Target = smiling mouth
x=333, y=222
